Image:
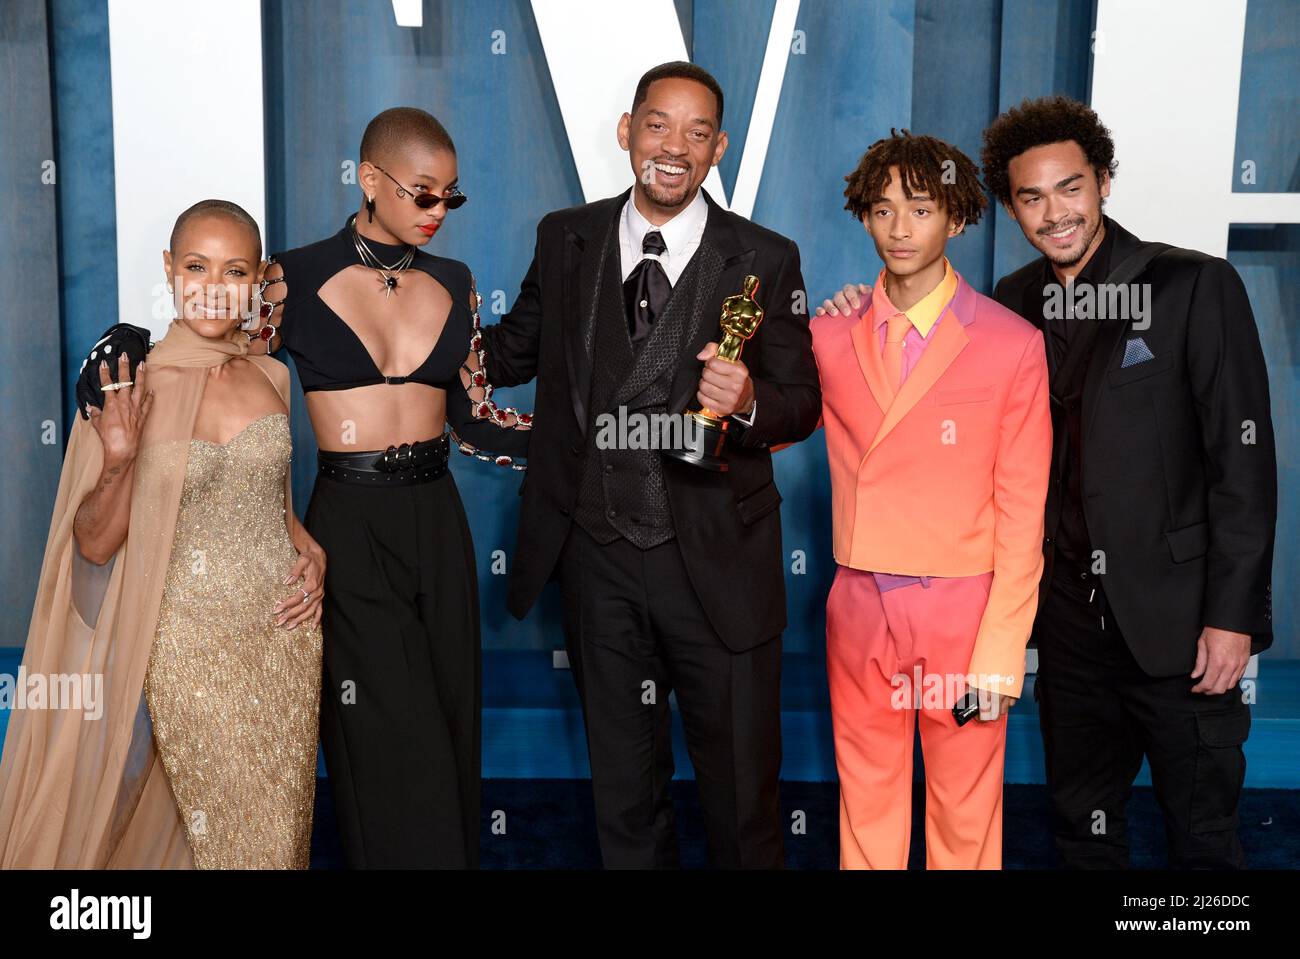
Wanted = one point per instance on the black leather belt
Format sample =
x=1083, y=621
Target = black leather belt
x=405, y=465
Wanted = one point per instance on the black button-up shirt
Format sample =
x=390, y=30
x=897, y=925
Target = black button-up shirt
x=1072, y=542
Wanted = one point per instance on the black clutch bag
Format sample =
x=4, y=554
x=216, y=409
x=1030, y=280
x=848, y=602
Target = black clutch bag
x=113, y=342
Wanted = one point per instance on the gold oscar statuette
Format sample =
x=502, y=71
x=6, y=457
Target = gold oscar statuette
x=741, y=316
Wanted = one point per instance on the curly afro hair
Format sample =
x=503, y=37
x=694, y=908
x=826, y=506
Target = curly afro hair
x=926, y=165
x=1038, y=123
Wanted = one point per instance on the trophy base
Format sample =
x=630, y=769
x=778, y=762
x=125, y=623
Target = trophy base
x=711, y=434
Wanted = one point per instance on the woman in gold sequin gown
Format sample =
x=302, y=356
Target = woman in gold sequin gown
x=234, y=700
x=233, y=696
x=177, y=573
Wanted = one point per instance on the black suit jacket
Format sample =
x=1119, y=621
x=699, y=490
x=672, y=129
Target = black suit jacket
x=1180, y=502
x=727, y=524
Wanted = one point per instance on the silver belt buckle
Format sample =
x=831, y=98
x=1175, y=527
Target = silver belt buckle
x=396, y=458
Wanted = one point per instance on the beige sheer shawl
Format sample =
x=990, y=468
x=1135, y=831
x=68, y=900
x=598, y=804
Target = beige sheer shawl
x=83, y=787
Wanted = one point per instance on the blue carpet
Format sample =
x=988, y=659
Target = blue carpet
x=549, y=825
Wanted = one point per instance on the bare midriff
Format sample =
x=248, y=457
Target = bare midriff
x=375, y=417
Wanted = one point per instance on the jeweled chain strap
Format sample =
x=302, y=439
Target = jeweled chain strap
x=486, y=408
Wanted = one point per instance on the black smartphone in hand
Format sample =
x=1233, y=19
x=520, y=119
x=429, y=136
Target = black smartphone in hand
x=967, y=708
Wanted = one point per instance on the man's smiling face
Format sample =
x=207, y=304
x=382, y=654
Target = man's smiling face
x=672, y=140
x=1056, y=198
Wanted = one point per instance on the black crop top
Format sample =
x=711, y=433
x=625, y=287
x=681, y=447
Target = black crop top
x=330, y=356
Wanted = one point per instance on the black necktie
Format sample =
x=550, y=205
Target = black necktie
x=646, y=289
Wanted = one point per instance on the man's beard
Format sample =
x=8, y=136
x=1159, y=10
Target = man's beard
x=1069, y=257
x=663, y=198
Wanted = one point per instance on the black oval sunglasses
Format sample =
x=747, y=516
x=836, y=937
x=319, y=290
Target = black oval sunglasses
x=426, y=201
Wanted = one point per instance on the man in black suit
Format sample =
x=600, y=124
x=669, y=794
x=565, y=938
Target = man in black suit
x=671, y=575
x=1161, y=511
x=1161, y=507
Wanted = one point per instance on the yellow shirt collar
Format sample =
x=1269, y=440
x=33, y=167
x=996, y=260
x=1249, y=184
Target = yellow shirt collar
x=926, y=312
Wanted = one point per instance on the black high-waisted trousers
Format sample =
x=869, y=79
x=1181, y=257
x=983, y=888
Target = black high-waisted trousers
x=400, y=705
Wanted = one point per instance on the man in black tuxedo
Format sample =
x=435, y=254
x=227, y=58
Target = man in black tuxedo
x=1162, y=502
x=671, y=575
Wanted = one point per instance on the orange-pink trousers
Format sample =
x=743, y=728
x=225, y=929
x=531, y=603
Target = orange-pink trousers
x=875, y=642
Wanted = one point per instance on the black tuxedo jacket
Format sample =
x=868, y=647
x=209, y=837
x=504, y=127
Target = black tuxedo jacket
x=727, y=524
x=1178, y=465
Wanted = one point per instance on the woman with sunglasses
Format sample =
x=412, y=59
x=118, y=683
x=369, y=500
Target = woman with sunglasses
x=385, y=340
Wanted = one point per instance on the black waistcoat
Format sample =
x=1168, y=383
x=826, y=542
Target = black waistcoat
x=622, y=492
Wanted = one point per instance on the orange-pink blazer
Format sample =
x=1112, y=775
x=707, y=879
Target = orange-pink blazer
x=949, y=477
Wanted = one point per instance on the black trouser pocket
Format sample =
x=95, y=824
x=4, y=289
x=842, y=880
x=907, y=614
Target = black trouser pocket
x=1220, y=768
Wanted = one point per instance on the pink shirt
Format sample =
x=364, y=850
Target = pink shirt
x=926, y=312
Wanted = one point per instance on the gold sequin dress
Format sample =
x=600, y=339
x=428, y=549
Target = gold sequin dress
x=233, y=698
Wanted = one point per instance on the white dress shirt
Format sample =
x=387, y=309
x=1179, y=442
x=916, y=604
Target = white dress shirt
x=682, y=235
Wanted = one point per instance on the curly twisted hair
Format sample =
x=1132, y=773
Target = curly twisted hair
x=1038, y=123
x=925, y=165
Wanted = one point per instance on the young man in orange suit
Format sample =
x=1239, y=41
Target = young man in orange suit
x=939, y=437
